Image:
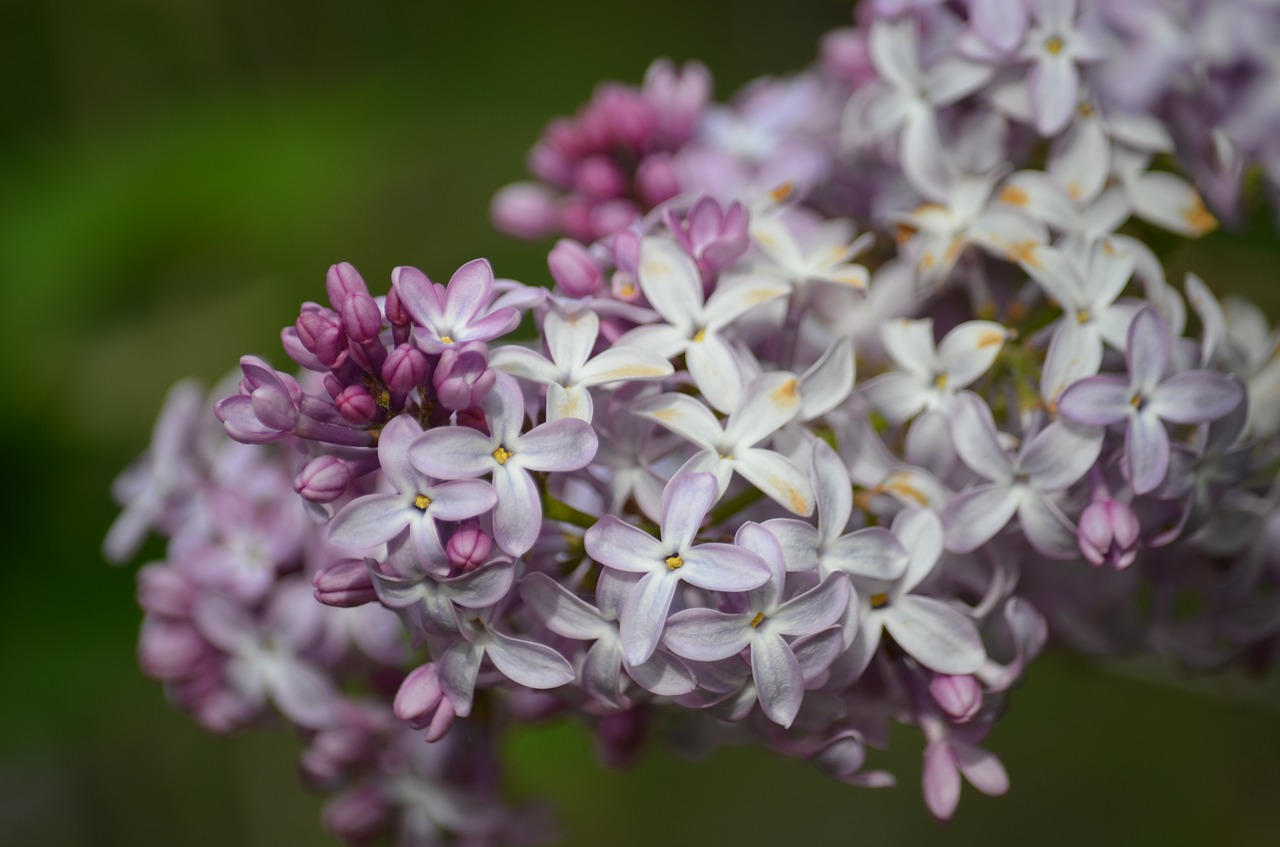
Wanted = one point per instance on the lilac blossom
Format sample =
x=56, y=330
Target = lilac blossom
x=508, y=454
x=1146, y=399
x=455, y=314
x=669, y=560
x=761, y=627
x=419, y=501
x=693, y=325
x=1047, y=462
x=572, y=370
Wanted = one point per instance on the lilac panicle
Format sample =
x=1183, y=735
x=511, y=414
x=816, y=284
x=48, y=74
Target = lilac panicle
x=846, y=391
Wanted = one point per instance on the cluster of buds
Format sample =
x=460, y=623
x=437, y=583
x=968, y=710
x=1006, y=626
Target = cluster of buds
x=756, y=472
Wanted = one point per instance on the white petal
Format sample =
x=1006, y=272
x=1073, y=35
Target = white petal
x=936, y=635
x=671, y=282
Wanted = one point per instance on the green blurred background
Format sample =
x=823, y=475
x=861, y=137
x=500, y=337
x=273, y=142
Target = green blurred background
x=176, y=175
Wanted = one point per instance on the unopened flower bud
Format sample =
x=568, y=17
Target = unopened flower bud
x=573, y=269
x=345, y=583
x=357, y=816
x=599, y=177
x=356, y=404
x=463, y=377
x=959, y=697
x=404, y=369
x=469, y=548
x=656, y=180
x=421, y=702
x=322, y=333
x=525, y=210
x=323, y=479
x=1108, y=533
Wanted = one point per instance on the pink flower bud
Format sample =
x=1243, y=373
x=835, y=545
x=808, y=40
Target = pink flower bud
x=469, y=548
x=345, y=583
x=322, y=333
x=656, y=180
x=573, y=269
x=1108, y=533
x=323, y=479
x=525, y=210
x=357, y=816
x=612, y=216
x=463, y=378
x=356, y=404
x=404, y=369
x=959, y=697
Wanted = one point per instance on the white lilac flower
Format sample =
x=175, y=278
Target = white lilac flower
x=418, y=502
x=525, y=662
x=1048, y=462
x=1085, y=287
x=572, y=370
x=761, y=626
x=905, y=100
x=930, y=630
x=570, y=616
x=667, y=561
x=818, y=253
x=870, y=552
x=768, y=402
x=459, y=452
x=929, y=376
x=935, y=235
x=693, y=325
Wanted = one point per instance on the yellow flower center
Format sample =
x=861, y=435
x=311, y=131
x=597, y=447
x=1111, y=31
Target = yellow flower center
x=421, y=502
x=700, y=335
x=501, y=455
x=444, y=339
x=1054, y=45
x=674, y=563
x=757, y=620
x=940, y=381
x=879, y=601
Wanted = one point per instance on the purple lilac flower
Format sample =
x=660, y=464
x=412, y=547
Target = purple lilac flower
x=1146, y=399
x=667, y=561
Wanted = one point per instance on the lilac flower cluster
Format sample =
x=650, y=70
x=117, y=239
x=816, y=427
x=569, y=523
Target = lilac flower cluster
x=756, y=470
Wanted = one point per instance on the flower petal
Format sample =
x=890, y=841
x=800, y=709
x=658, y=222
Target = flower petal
x=935, y=634
x=779, y=683
x=706, y=635
x=973, y=517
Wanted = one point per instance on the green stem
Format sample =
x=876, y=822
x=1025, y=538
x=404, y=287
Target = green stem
x=555, y=510
x=731, y=507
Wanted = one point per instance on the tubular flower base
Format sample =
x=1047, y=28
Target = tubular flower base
x=847, y=395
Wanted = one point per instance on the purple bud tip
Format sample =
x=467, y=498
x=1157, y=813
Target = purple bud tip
x=404, y=369
x=419, y=695
x=345, y=583
x=573, y=269
x=1108, y=533
x=343, y=281
x=356, y=404
x=323, y=479
x=397, y=315
x=322, y=333
x=362, y=318
x=357, y=816
x=656, y=180
x=469, y=548
x=525, y=210
x=959, y=697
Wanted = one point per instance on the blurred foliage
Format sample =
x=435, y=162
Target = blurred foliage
x=176, y=176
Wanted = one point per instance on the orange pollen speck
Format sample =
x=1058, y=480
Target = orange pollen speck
x=757, y=620
x=1014, y=196
x=879, y=601
x=627, y=290
x=674, y=563
x=782, y=192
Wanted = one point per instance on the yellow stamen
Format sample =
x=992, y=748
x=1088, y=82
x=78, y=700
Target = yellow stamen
x=627, y=290
x=674, y=563
x=1083, y=316
x=444, y=339
x=879, y=601
x=940, y=381
x=501, y=455
x=421, y=502
x=1054, y=45
x=700, y=335
x=757, y=620
x=782, y=192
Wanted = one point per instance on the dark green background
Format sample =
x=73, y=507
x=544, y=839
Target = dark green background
x=176, y=175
